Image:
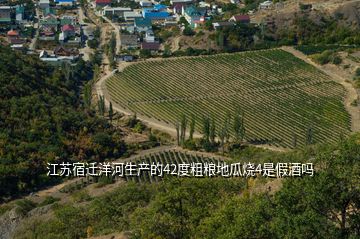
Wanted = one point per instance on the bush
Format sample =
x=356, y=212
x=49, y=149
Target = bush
x=48, y=200
x=24, y=206
x=188, y=31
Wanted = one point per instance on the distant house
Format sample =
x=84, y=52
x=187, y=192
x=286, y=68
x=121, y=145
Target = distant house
x=102, y=3
x=55, y=60
x=68, y=30
x=145, y=3
x=180, y=1
x=157, y=12
x=5, y=14
x=115, y=11
x=194, y=15
x=49, y=21
x=142, y=24
x=265, y=5
x=62, y=51
x=152, y=46
x=65, y=2
x=131, y=16
x=244, y=19
x=68, y=20
x=126, y=58
x=19, y=11
x=48, y=11
x=149, y=36
x=177, y=8
x=44, y=4
x=128, y=41
x=14, y=38
x=220, y=25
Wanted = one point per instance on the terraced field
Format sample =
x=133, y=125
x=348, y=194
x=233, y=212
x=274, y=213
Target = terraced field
x=281, y=95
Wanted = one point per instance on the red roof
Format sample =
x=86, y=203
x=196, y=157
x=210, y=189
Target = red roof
x=103, y=1
x=242, y=18
x=68, y=27
x=12, y=33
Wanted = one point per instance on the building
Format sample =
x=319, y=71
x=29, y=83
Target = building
x=49, y=11
x=44, y=4
x=142, y=24
x=145, y=3
x=5, y=14
x=62, y=51
x=149, y=36
x=181, y=1
x=152, y=46
x=19, y=13
x=55, y=60
x=265, y=5
x=157, y=12
x=220, y=25
x=68, y=3
x=14, y=37
x=115, y=11
x=128, y=41
x=194, y=15
x=244, y=19
x=131, y=16
x=102, y=3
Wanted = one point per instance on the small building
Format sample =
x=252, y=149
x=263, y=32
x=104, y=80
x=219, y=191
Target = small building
x=128, y=41
x=266, y=5
x=194, y=15
x=142, y=24
x=220, y=25
x=126, y=58
x=65, y=3
x=131, y=16
x=68, y=20
x=49, y=11
x=14, y=37
x=115, y=11
x=149, y=36
x=49, y=21
x=244, y=19
x=181, y=1
x=62, y=51
x=152, y=46
x=68, y=30
x=5, y=14
x=177, y=8
x=157, y=12
x=19, y=11
x=44, y=4
x=145, y=3
x=102, y=3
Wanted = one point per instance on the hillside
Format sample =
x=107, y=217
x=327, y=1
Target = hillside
x=42, y=120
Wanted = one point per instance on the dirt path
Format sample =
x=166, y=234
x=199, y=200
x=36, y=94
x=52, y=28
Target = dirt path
x=351, y=95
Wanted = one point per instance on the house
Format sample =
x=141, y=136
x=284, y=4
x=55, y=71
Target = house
x=115, y=11
x=102, y=3
x=145, y=3
x=194, y=15
x=157, y=12
x=265, y=5
x=49, y=21
x=62, y=51
x=181, y=1
x=49, y=11
x=177, y=8
x=68, y=20
x=68, y=30
x=126, y=58
x=14, y=38
x=152, y=46
x=19, y=11
x=55, y=60
x=142, y=24
x=64, y=3
x=131, y=16
x=128, y=41
x=5, y=14
x=220, y=25
x=149, y=36
x=244, y=19
x=44, y=4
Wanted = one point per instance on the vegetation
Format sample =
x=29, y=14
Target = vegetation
x=43, y=120
x=279, y=95
x=323, y=206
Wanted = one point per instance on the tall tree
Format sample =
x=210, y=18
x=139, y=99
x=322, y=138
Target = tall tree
x=183, y=126
x=111, y=112
x=206, y=128
x=212, y=131
x=192, y=126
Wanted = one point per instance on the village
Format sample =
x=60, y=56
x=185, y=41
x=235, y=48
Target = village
x=67, y=30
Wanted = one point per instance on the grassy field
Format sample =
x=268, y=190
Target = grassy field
x=281, y=96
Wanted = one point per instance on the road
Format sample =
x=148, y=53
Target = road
x=32, y=45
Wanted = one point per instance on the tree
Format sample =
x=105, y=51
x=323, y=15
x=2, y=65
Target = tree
x=188, y=31
x=309, y=136
x=111, y=112
x=206, y=129
x=212, y=134
x=101, y=105
x=177, y=128
x=192, y=127
x=239, y=127
x=183, y=125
